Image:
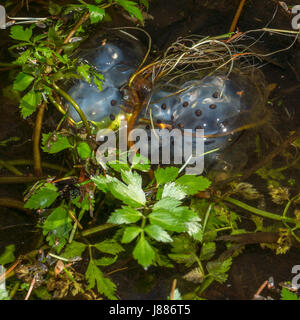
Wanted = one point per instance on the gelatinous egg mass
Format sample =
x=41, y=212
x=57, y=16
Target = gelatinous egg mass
x=116, y=56
x=214, y=104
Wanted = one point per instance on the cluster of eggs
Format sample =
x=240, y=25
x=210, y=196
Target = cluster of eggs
x=213, y=104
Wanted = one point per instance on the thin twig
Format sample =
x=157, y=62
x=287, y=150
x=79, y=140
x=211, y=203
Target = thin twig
x=13, y=203
x=36, y=140
x=172, y=294
x=31, y=287
x=6, y=180
x=237, y=15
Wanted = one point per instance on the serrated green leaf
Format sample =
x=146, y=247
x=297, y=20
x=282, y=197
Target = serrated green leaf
x=4, y=294
x=187, y=258
x=172, y=190
x=146, y=4
x=218, y=269
x=106, y=261
x=130, y=233
x=54, y=9
x=43, y=197
x=163, y=176
x=22, y=81
x=132, y=194
x=140, y=163
x=131, y=8
x=109, y=246
x=193, y=184
x=29, y=103
x=125, y=215
x=143, y=252
x=179, y=219
x=20, y=33
x=101, y=182
x=207, y=251
x=96, y=13
x=53, y=143
x=167, y=203
x=98, y=80
x=158, y=233
x=132, y=178
x=58, y=223
x=118, y=165
x=288, y=295
x=84, y=150
x=23, y=57
x=83, y=70
x=8, y=255
x=104, y=285
x=74, y=249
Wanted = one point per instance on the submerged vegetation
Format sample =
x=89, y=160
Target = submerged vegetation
x=97, y=219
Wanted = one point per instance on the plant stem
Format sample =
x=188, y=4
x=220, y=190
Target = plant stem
x=259, y=212
x=36, y=140
x=11, y=168
x=5, y=180
x=13, y=203
x=75, y=105
x=100, y=228
x=25, y=162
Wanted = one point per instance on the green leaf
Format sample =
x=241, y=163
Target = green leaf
x=98, y=80
x=167, y=203
x=109, y=246
x=54, y=142
x=130, y=233
x=23, y=57
x=4, y=294
x=96, y=13
x=140, y=163
x=58, y=223
x=180, y=219
x=187, y=258
x=18, y=33
x=132, y=178
x=101, y=182
x=163, y=176
x=22, y=81
x=131, y=8
x=193, y=184
x=84, y=150
x=43, y=197
x=118, y=165
x=125, y=215
x=29, y=103
x=146, y=4
x=104, y=285
x=54, y=9
x=207, y=251
x=173, y=190
x=74, y=249
x=288, y=295
x=218, y=269
x=106, y=261
x=132, y=195
x=8, y=255
x=143, y=252
x=83, y=70
x=158, y=233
